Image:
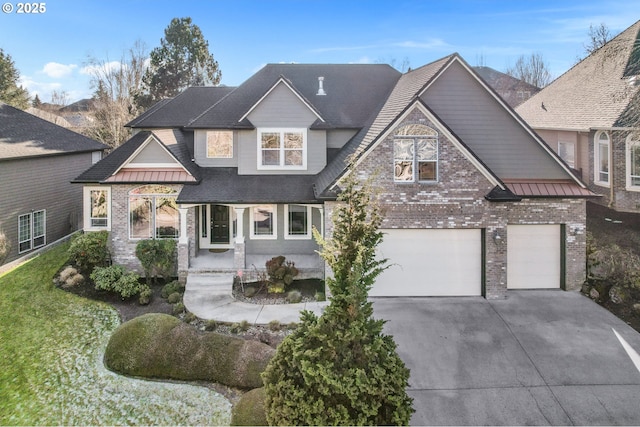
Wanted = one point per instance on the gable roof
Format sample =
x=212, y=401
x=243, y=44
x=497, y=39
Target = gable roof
x=25, y=135
x=593, y=94
x=181, y=109
x=178, y=143
x=406, y=93
x=351, y=91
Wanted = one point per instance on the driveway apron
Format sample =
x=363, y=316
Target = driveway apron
x=536, y=358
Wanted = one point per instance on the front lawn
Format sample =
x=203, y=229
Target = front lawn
x=51, y=370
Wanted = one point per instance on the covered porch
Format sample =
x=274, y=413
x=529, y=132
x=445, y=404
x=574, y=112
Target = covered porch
x=310, y=265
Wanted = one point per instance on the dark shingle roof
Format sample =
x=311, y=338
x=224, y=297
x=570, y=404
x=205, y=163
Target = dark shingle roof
x=351, y=91
x=224, y=185
x=25, y=135
x=180, y=110
x=177, y=142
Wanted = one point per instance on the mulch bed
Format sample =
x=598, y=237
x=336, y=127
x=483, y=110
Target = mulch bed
x=623, y=229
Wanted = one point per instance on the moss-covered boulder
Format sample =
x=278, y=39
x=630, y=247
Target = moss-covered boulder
x=250, y=409
x=161, y=346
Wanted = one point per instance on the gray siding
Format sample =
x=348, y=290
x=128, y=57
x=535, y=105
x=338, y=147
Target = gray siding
x=281, y=109
x=281, y=245
x=491, y=132
x=42, y=183
x=153, y=153
x=337, y=138
x=200, y=151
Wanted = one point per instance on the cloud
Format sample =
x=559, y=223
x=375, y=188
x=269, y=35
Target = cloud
x=101, y=69
x=57, y=70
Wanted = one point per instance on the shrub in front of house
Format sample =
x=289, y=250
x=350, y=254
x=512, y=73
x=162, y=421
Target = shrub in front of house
x=161, y=346
x=116, y=278
x=171, y=288
x=340, y=368
x=281, y=274
x=89, y=250
x=250, y=410
x=5, y=246
x=157, y=257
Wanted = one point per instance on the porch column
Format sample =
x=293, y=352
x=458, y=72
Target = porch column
x=239, y=246
x=183, y=246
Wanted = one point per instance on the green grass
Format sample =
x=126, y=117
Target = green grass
x=51, y=370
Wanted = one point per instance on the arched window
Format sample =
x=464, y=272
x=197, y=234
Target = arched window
x=602, y=148
x=153, y=213
x=633, y=160
x=415, y=154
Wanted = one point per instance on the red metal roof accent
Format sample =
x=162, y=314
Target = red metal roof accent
x=151, y=175
x=547, y=188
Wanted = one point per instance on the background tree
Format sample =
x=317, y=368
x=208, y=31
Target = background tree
x=60, y=98
x=340, y=369
x=598, y=37
x=10, y=92
x=182, y=60
x=116, y=83
x=531, y=69
x=36, y=103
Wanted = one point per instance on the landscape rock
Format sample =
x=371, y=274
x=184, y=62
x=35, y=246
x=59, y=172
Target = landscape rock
x=618, y=295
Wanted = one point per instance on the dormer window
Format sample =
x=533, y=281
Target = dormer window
x=282, y=148
x=415, y=154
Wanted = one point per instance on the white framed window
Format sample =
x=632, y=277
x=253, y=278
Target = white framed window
x=567, y=152
x=220, y=144
x=282, y=148
x=97, y=208
x=153, y=213
x=264, y=222
x=32, y=230
x=415, y=154
x=602, y=150
x=633, y=161
x=297, y=222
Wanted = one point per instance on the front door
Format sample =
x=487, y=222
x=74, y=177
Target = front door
x=219, y=224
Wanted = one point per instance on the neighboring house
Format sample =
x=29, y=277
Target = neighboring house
x=475, y=202
x=591, y=116
x=38, y=159
x=512, y=90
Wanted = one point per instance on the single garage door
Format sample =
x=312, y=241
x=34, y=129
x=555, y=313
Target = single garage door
x=533, y=256
x=431, y=263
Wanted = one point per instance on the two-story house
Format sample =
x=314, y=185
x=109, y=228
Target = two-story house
x=38, y=205
x=475, y=202
x=591, y=117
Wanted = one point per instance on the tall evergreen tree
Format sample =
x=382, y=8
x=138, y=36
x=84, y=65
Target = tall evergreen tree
x=10, y=92
x=340, y=369
x=182, y=60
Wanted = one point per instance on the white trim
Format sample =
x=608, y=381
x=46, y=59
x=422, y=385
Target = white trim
x=629, y=144
x=128, y=163
x=281, y=150
x=274, y=223
x=307, y=235
x=596, y=159
x=295, y=92
x=509, y=110
x=86, y=207
x=442, y=130
x=205, y=239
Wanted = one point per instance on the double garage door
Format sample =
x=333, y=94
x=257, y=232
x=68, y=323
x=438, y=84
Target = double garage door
x=449, y=262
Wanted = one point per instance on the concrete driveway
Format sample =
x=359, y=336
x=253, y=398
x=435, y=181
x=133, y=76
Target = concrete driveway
x=536, y=358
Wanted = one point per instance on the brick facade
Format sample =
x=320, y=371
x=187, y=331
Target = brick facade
x=620, y=198
x=457, y=201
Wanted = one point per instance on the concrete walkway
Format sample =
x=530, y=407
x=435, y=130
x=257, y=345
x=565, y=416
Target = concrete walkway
x=210, y=296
